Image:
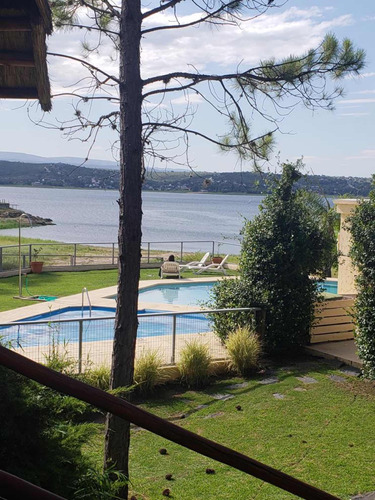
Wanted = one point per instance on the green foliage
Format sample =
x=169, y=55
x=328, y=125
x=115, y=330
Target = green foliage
x=100, y=485
x=194, y=364
x=147, y=373
x=244, y=349
x=281, y=248
x=362, y=227
x=226, y=294
x=37, y=442
x=99, y=377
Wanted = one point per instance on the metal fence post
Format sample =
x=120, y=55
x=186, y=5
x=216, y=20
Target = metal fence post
x=80, y=337
x=182, y=250
x=75, y=254
x=173, y=357
x=148, y=253
x=213, y=249
x=1, y=259
x=30, y=256
x=113, y=254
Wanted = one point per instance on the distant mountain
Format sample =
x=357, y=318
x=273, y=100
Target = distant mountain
x=68, y=160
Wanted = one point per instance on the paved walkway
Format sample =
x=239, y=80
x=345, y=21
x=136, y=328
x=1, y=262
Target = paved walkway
x=344, y=351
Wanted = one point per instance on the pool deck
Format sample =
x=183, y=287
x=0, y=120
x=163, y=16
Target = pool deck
x=102, y=297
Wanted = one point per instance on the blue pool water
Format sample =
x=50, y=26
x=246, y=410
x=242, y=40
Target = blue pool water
x=177, y=294
x=193, y=293
x=95, y=329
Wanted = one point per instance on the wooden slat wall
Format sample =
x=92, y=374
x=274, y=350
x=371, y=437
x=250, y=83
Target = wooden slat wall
x=333, y=321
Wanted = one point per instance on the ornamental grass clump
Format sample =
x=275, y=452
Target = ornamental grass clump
x=194, y=365
x=147, y=372
x=244, y=349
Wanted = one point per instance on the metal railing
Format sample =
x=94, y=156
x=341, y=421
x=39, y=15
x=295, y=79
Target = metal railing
x=88, y=341
x=86, y=254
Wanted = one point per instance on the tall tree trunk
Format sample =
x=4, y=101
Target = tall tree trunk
x=129, y=239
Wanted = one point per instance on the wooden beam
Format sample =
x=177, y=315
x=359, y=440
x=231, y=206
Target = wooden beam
x=18, y=93
x=15, y=24
x=12, y=58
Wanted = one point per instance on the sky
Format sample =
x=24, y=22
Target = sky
x=339, y=142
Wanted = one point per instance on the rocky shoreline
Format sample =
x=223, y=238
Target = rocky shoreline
x=13, y=215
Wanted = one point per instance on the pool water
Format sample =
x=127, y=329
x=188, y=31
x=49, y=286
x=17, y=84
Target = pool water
x=194, y=293
x=95, y=329
x=177, y=294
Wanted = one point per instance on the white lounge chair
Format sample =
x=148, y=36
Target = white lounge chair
x=170, y=268
x=214, y=267
x=196, y=264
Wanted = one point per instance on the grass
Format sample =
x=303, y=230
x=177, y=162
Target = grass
x=322, y=435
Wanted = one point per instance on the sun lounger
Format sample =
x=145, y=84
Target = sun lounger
x=170, y=268
x=214, y=267
x=196, y=264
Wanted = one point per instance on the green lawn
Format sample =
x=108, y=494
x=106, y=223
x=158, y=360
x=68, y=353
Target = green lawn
x=323, y=434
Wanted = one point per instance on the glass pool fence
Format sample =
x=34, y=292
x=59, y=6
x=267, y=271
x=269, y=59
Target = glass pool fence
x=88, y=341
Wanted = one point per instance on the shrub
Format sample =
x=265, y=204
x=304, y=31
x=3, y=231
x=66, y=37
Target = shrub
x=226, y=294
x=281, y=248
x=362, y=227
x=105, y=485
x=99, y=377
x=244, y=350
x=147, y=372
x=38, y=444
x=194, y=364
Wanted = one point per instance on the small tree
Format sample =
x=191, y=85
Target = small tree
x=362, y=228
x=281, y=248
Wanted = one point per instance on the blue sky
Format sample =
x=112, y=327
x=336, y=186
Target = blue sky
x=332, y=143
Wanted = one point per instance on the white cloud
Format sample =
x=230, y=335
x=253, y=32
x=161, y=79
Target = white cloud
x=358, y=101
x=203, y=48
x=354, y=114
x=365, y=154
x=191, y=98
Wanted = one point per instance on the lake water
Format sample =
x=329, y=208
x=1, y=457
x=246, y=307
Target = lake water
x=91, y=216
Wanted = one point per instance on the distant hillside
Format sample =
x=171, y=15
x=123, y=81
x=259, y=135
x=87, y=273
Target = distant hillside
x=69, y=160
x=65, y=175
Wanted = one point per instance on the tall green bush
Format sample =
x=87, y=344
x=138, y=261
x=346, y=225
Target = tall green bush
x=38, y=442
x=362, y=227
x=285, y=244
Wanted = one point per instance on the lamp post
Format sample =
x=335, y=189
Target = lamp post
x=19, y=254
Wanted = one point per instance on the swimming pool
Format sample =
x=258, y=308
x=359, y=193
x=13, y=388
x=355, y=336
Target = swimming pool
x=62, y=326
x=177, y=294
x=194, y=293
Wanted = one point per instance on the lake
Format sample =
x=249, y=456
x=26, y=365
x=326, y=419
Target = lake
x=91, y=216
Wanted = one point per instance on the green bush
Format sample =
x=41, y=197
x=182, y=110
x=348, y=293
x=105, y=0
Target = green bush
x=226, y=294
x=194, y=364
x=281, y=247
x=362, y=227
x=147, y=371
x=99, y=377
x=38, y=442
x=244, y=349
x=97, y=485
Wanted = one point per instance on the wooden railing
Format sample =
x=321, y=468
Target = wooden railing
x=157, y=425
x=334, y=321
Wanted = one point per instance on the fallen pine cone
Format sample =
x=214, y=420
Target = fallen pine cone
x=168, y=477
x=210, y=471
x=163, y=451
x=167, y=492
x=239, y=407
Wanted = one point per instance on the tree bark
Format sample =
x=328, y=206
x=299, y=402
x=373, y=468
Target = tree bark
x=129, y=238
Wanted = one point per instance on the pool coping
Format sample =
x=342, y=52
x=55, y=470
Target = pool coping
x=100, y=297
